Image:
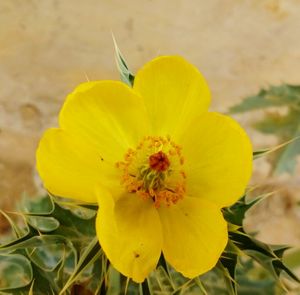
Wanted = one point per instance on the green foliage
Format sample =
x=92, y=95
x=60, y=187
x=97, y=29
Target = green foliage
x=64, y=257
x=284, y=124
x=57, y=248
x=125, y=74
x=15, y=271
x=236, y=213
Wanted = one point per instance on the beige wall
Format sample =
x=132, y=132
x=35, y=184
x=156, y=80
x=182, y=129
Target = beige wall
x=47, y=46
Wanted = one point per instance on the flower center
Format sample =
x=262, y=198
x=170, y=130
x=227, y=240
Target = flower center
x=154, y=170
x=159, y=162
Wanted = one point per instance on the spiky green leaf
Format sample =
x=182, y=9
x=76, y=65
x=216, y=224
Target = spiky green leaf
x=284, y=124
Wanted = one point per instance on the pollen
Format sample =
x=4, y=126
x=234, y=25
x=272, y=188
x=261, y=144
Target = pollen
x=154, y=170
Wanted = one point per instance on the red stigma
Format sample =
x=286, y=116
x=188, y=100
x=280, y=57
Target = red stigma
x=159, y=162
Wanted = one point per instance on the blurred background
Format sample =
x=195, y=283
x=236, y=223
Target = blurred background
x=47, y=47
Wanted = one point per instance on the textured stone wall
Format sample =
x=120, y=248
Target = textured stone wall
x=49, y=46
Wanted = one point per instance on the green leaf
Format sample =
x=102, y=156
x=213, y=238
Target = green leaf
x=262, y=253
x=47, y=257
x=227, y=264
x=15, y=272
x=274, y=96
x=81, y=211
x=228, y=271
x=114, y=282
x=68, y=229
x=36, y=241
x=286, y=160
x=235, y=214
x=59, y=270
x=38, y=206
x=43, y=223
x=44, y=282
x=88, y=257
x=99, y=271
x=73, y=226
x=162, y=281
x=285, y=125
x=277, y=148
x=125, y=74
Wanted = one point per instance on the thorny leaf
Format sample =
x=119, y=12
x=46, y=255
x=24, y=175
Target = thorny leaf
x=285, y=125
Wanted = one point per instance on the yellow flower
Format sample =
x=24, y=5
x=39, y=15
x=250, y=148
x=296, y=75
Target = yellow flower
x=159, y=164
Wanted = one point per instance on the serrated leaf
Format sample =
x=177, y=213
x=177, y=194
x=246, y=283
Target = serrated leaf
x=15, y=271
x=245, y=242
x=279, y=250
x=274, y=96
x=235, y=214
x=284, y=125
x=262, y=253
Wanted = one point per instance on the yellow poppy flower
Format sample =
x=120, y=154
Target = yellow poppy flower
x=159, y=164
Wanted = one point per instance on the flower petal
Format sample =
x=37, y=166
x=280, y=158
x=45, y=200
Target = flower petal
x=195, y=235
x=70, y=168
x=174, y=92
x=218, y=159
x=107, y=115
x=129, y=232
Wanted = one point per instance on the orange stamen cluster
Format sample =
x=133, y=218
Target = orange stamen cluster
x=154, y=170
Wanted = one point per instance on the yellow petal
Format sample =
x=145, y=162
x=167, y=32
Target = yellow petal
x=129, y=232
x=174, y=92
x=107, y=115
x=70, y=168
x=218, y=159
x=195, y=235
